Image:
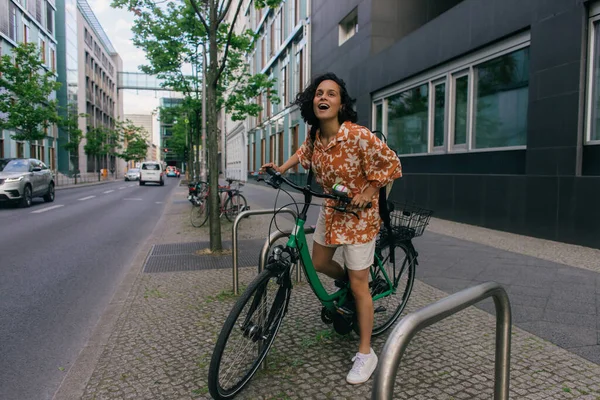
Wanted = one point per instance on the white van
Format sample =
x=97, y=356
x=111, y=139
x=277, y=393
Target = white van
x=151, y=171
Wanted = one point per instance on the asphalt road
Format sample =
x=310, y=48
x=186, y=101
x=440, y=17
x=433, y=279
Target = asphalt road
x=60, y=264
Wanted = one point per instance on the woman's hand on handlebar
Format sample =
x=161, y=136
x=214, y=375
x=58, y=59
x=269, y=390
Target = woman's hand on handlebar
x=363, y=199
x=270, y=165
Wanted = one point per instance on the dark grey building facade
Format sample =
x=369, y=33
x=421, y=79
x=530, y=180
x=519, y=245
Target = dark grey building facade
x=492, y=104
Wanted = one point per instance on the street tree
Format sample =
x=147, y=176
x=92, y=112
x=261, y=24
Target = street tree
x=95, y=145
x=172, y=36
x=70, y=124
x=134, y=139
x=25, y=94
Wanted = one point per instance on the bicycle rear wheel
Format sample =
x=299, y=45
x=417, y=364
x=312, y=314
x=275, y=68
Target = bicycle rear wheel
x=248, y=334
x=402, y=275
x=199, y=214
x=235, y=205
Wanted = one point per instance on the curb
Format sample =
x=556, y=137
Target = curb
x=75, y=381
x=80, y=185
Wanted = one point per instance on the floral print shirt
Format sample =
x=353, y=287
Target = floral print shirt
x=355, y=158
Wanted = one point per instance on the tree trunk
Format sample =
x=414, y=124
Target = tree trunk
x=211, y=113
x=197, y=131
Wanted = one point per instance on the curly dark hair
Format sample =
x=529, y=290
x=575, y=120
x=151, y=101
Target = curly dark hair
x=305, y=101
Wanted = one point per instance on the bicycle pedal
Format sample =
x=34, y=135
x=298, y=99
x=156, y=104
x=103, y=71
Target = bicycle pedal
x=380, y=309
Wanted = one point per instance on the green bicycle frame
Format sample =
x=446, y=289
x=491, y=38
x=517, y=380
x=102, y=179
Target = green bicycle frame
x=297, y=240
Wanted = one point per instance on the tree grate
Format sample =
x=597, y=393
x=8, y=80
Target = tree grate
x=184, y=256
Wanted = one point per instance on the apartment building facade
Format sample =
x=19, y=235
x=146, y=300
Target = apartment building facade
x=98, y=68
x=146, y=122
x=282, y=52
x=30, y=21
x=492, y=105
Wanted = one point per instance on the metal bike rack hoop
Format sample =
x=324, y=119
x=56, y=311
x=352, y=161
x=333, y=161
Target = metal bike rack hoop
x=245, y=214
x=272, y=239
x=396, y=344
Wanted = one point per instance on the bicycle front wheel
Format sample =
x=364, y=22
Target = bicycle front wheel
x=235, y=205
x=199, y=214
x=401, y=274
x=248, y=334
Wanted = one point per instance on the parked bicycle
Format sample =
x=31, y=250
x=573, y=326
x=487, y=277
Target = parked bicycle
x=231, y=202
x=258, y=314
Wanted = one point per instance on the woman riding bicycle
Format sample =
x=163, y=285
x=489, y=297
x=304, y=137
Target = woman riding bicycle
x=341, y=152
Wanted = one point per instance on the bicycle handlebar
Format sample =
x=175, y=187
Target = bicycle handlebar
x=342, y=197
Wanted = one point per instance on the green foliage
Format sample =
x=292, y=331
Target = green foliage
x=94, y=145
x=70, y=124
x=135, y=139
x=25, y=97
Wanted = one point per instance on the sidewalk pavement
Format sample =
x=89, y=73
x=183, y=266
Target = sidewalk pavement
x=157, y=338
x=84, y=184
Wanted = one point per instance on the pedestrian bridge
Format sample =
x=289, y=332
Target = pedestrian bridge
x=140, y=81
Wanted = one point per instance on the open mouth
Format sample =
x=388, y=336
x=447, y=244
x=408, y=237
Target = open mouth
x=323, y=106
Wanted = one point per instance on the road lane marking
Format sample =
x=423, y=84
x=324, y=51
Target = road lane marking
x=86, y=198
x=132, y=199
x=109, y=191
x=47, y=209
x=159, y=202
x=122, y=187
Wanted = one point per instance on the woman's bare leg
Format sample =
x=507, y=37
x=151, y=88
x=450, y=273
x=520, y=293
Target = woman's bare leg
x=359, y=283
x=322, y=258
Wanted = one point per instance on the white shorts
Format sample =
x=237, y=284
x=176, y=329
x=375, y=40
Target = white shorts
x=356, y=256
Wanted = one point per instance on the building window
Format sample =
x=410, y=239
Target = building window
x=272, y=148
x=50, y=19
x=52, y=159
x=294, y=143
x=297, y=12
x=271, y=39
x=408, y=120
x=478, y=102
x=26, y=34
x=280, y=148
x=1, y=148
x=53, y=60
x=263, y=150
x=43, y=50
x=38, y=11
x=283, y=87
x=593, y=99
x=20, y=150
x=378, y=117
x=299, y=68
x=12, y=21
x=348, y=26
x=501, y=100
x=439, y=114
x=460, y=113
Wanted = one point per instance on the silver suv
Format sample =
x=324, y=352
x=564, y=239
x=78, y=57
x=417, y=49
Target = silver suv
x=21, y=179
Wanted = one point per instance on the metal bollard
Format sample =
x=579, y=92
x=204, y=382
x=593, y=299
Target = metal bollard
x=234, y=239
x=397, y=342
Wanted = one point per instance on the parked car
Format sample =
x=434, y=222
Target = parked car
x=3, y=162
x=133, y=174
x=22, y=179
x=151, y=171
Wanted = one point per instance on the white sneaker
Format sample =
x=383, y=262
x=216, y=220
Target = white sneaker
x=364, y=365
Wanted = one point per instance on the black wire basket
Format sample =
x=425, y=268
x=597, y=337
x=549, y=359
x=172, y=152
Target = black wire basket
x=407, y=221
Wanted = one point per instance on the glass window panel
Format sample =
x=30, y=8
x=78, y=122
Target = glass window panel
x=408, y=120
x=379, y=118
x=501, y=101
x=439, y=114
x=595, y=132
x=461, y=98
